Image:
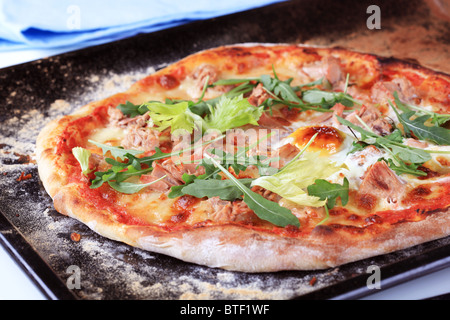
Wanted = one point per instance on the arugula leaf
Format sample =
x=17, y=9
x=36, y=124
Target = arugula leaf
x=281, y=92
x=238, y=162
x=328, y=191
x=211, y=172
x=408, y=154
x=313, y=83
x=436, y=118
x=227, y=82
x=401, y=167
x=263, y=208
x=414, y=122
x=82, y=155
x=357, y=146
x=224, y=189
x=121, y=171
x=418, y=128
x=131, y=109
x=116, y=152
x=405, y=159
x=117, y=173
x=280, y=88
x=130, y=188
x=231, y=113
x=327, y=99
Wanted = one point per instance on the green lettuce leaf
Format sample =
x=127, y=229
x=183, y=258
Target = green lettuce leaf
x=82, y=155
x=177, y=116
x=231, y=113
x=290, y=182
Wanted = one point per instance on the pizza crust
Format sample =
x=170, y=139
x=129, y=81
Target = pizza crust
x=229, y=246
x=236, y=248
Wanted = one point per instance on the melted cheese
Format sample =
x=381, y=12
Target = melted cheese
x=108, y=134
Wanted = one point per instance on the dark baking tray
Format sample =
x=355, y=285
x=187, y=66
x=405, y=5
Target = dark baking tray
x=38, y=238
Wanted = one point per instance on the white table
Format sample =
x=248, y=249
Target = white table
x=15, y=284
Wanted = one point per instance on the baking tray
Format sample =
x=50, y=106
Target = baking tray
x=32, y=94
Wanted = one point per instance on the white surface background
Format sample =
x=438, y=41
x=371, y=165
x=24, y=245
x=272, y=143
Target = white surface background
x=15, y=284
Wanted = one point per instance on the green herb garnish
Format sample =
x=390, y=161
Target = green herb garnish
x=263, y=208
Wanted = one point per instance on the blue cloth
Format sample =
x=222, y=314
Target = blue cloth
x=61, y=23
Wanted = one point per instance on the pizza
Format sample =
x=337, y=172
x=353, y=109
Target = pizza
x=261, y=158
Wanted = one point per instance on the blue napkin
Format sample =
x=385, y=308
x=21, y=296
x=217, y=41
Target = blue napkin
x=61, y=23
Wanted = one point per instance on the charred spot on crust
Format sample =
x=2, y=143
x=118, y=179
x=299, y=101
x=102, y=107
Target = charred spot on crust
x=180, y=217
x=430, y=212
x=309, y=50
x=373, y=219
x=322, y=230
x=348, y=228
x=235, y=52
x=168, y=82
x=353, y=217
x=419, y=192
x=367, y=201
x=430, y=173
x=75, y=201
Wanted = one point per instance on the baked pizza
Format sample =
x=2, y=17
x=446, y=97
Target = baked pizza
x=260, y=158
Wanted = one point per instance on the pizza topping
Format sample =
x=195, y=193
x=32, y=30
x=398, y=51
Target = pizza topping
x=381, y=182
x=402, y=158
x=328, y=140
x=115, y=115
x=205, y=74
x=226, y=211
x=141, y=138
x=329, y=67
x=263, y=208
x=242, y=183
x=415, y=123
x=139, y=133
x=208, y=182
x=232, y=113
x=116, y=152
x=258, y=95
x=327, y=99
x=384, y=91
x=329, y=192
x=168, y=81
x=328, y=118
x=129, y=187
x=292, y=180
x=176, y=116
x=173, y=173
x=373, y=118
x=82, y=155
x=118, y=119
